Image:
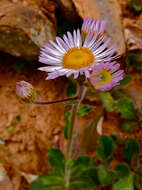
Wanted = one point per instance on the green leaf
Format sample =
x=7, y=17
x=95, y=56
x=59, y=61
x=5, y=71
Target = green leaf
x=71, y=90
x=84, y=109
x=128, y=126
x=136, y=5
x=82, y=164
x=83, y=173
x=118, y=93
x=114, y=137
x=83, y=182
x=57, y=160
x=70, y=102
x=105, y=177
x=138, y=181
x=108, y=101
x=105, y=147
x=131, y=149
x=125, y=81
x=134, y=61
x=18, y=118
x=125, y=183
x=51, y=181
x=139, y=170
x=126, y=108
x=67, y=124
x=122, y=170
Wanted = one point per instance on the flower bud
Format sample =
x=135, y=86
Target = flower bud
x=26, y=91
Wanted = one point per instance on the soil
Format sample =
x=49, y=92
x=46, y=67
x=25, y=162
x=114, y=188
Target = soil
x=27, y=140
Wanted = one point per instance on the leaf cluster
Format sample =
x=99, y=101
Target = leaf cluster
x=86, y=174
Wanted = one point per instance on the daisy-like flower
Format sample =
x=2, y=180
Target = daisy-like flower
x=106, y=75
x=74, y=55
x=25, y=91
x=93, y=25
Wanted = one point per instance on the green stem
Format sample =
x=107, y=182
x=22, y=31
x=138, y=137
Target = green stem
x=81, y=93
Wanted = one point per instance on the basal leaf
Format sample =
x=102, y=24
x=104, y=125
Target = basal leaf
x=136, y=5
x=105, y=177
x=125, y=183
x=131, y=149
x=83, y=182
x=82, y=164
x=122, y=170
x=128, y=126
x=105, y=147
x=51, y=181
x=83, y=173
x=138, y=181
x=126, y=108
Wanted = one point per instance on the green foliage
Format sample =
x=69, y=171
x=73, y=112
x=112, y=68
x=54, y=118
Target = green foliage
x=67, y=124
x=19, y=67
x=118, y=93
x=57, y=160
x=82, y=164
x=134, y=61
x=125, y=183
x=131, y=149
x=138, y=181
x=105, y=147
x=70, y=102
x=71, y=90
x=105, y=177
x=122, y=170
x=128, y=126
x=51, y=181
x=83, y=182
x=18, y=118
x=139, y=170
x=125, y=81
x=83, y=173
x=136, y=5
x=108, y=101
x=84, y=109
x=126, y=108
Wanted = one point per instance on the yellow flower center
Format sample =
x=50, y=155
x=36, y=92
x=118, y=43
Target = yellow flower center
x=77, y=58
x=106, y=78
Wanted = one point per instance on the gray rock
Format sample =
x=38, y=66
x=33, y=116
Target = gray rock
x=23, y=30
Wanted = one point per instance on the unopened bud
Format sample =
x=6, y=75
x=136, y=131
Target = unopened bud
x=26, y=91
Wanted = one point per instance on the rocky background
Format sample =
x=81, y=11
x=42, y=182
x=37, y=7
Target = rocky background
x=27, y=131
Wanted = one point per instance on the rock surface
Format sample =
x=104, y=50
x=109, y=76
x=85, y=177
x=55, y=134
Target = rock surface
x=23, y=30
x=133, y=33
x=68, y=10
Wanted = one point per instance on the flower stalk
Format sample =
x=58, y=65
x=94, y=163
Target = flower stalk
x=81, y=93
x=54, y=101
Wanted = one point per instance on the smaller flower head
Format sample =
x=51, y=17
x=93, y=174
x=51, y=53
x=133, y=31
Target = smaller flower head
x=93, y=26
x=106, y=75
x=25, y=91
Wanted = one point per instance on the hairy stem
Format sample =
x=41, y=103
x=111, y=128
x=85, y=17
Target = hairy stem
x=81, y=93
x=54, y=101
